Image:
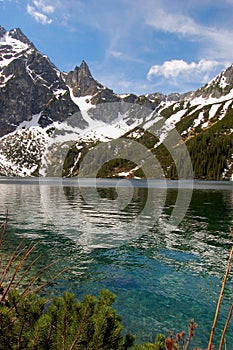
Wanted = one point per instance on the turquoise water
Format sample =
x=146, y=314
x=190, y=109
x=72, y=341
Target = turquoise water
x=122, y=238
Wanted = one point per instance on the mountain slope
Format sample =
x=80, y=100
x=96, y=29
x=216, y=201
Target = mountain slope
x=51, y=120
x=29, y=85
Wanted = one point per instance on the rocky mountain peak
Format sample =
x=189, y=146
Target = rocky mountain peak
x=30, y=85
x=81, y=81
x=221, y=85
x=84, y=69
x=19, y=35
x=13, y=44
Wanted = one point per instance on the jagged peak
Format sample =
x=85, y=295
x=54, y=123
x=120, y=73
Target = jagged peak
x=84, y=65
x=83, y=70
x=81, y=81
x=17, y=34
x=220, y=85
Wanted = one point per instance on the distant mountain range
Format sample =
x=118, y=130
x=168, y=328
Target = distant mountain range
x=51, y=120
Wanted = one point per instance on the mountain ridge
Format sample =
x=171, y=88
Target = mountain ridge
x=40, y=105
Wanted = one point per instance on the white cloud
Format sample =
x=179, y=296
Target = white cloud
x=122, y=56
x=213, y=39
x=172, y=23
x=38, y=16
x=44, y=6
x=175, y=68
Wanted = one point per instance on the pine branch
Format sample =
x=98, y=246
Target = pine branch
x=64, y=331
x=79, y=330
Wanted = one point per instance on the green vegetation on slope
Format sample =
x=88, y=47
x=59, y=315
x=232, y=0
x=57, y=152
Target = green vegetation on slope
x=211, y=151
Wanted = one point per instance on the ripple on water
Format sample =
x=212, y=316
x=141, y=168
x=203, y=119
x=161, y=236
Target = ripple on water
x=162, y=275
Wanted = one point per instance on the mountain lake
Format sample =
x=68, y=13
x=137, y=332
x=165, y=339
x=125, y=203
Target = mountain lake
x=161, y=246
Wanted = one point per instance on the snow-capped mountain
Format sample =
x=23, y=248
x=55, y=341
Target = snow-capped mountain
x=50, y=119
x=30, y=85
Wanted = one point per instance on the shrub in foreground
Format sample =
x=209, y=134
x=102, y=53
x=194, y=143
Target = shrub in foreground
x=67, y=324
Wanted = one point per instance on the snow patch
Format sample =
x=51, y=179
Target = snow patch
x=211, y=100
x=175, y=118
x=223, y=82
x=129, y=173
x=213, y=110
x=59, y=92
x=30, y=123
x=152, y=122
x=12, y=48
x=35, y=77
x=199, y=119
x=83, y=102
x=224, y=109
x=6, y=79
x=123, y=95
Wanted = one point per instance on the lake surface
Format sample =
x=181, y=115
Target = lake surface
x=161, y=247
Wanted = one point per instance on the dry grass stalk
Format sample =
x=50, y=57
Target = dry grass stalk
x=210, y=345
x=191, y=328
x=15, y=272
x=225, y=328
x=3, y=228
x=9, y=276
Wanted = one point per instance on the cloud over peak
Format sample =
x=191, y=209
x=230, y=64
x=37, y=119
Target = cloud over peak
x=43, y=6
x=179, y=68
x=40, y=10
x=38, y=16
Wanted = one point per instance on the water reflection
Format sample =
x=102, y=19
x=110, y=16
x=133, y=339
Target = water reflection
x=102, y=217
x=203, y=233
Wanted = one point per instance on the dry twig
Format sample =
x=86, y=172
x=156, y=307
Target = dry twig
x=225, y=328
x=220, y=297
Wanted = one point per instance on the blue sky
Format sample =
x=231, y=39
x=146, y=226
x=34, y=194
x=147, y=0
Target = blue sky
x=138, y=46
